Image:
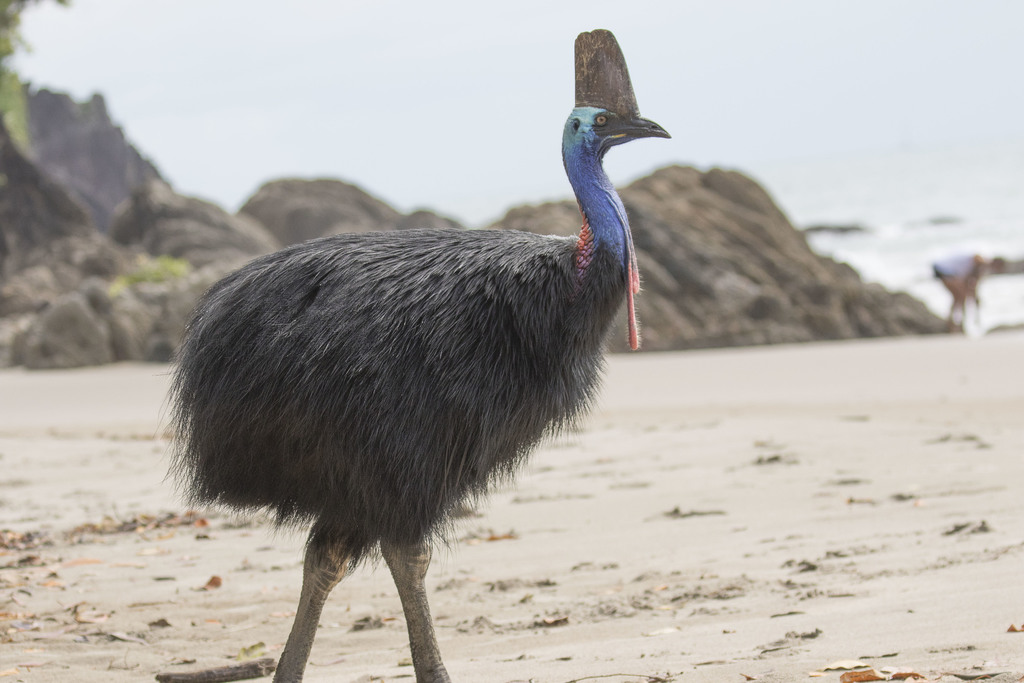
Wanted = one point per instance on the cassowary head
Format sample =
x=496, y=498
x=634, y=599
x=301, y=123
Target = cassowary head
x=606, y=112
x=596, y=130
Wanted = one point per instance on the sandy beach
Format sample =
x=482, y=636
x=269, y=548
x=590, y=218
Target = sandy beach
x=761, y=513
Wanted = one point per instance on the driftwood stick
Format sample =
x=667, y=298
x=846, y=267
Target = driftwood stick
x=236, y=672
x=650, y=677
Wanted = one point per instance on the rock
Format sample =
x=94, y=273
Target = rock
x=999, y=329
x=43, y=273
x=844, y=229
x=34, y=210
x=131, y=323
x=296, y=210
x=29, y=291
x=12, y=330
x=721, y=265
x=162, y=222
x=68, y=334
x=170, y=305
x=78, y=146
x=422, y=218
x=48, y=244
x=1014, y=267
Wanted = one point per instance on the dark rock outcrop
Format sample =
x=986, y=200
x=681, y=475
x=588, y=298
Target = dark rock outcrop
x=147, y=320
x=842, y=229
x=422, y=218
x=58, y=306
x=48, y=244
x=69, y=333
x=723, y=266
x=165, y=223
x=296, y=210
x=93, y=326
x=34, y=210
x=78, y=146
x=1014, y=267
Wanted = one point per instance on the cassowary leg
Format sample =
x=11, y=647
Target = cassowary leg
x=408, y=566
x=324, y=567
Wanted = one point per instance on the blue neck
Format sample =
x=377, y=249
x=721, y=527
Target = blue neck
x=598, y=199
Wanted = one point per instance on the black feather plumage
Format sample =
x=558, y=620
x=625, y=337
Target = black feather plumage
x=370, y=383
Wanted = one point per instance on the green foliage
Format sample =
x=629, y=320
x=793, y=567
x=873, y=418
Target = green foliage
x=10, y=21
x=12, y=95
x=10, y=18
x=13, y=107
x=159, y=269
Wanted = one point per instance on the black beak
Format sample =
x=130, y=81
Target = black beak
x=640, y=127
x=623, y=129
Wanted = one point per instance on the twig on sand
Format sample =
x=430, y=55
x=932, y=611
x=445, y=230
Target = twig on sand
x=651, y=678
x=236, y=672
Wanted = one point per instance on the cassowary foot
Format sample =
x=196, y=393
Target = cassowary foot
x=324, y=567
x=408, y=566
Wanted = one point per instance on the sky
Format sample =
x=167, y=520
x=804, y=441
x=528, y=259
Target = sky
x=458, y=105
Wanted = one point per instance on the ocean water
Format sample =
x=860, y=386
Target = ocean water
x=916, y=206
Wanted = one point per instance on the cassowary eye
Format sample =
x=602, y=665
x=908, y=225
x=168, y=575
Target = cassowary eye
x=575, y=124
x=600, y=120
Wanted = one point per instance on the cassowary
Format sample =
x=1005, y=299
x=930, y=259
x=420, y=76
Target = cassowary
x=368, y=385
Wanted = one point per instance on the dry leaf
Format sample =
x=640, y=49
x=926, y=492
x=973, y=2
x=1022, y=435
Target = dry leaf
x=548, y=622
x=9, y=672
x=52, y=634
x=845, y=664
x=93, y=617
x=13, y=616
x=859, y=676
x=748, y=678
x=510, y=536
x=1014, y=629
x=25, y=625
x=80, y=561
x=214, y=582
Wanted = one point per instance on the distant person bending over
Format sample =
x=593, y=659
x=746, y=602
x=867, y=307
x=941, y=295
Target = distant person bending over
x=961, y=274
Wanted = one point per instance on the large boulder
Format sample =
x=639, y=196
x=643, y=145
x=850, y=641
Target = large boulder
x=69, y=333
x=148, y=319
x=165, y=223
x=48, y=271
x=296, y=210
x=99, y=323
x=723, y=266
x=34, y=210
x=48, y=244
x=79, y=146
